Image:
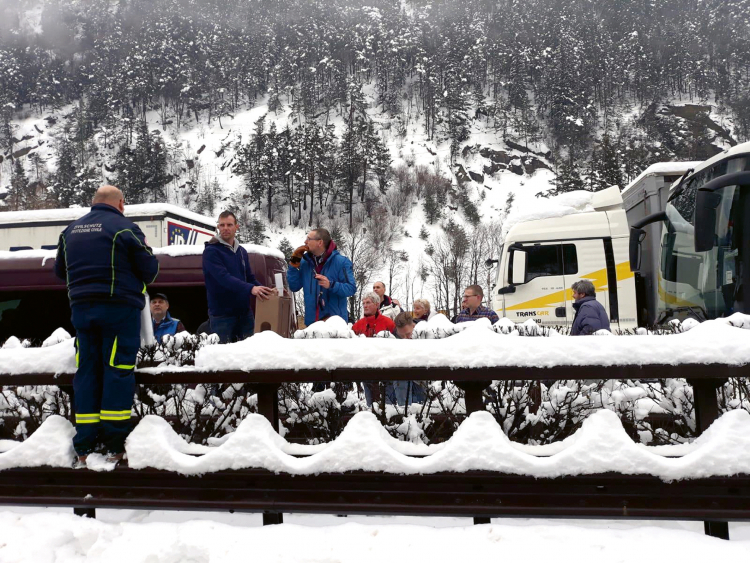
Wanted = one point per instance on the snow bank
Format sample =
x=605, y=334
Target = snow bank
x=65, y=538
x=600, y=446
x=57, y=358
x=51, y=444
x=333, y=327
x=60, y=335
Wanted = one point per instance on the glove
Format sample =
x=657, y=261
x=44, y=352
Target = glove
x=297, y=255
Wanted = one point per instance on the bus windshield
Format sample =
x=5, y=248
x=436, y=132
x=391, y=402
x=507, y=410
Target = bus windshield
x=704, y=283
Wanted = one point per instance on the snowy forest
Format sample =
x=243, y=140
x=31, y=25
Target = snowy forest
x=362, y=111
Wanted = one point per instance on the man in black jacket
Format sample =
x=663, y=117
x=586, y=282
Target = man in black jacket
x=590, y=314
x=230, y=283
x=106, y=263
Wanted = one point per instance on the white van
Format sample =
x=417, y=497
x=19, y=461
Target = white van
x=162, y=223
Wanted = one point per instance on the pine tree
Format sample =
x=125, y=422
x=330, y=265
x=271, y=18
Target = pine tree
x=255, y=232
x=65, y=180
x=19, y=187
x=351, y=142
x=286, y=248
x=568, y=177
x=607, y=165
x=142, y=171
x=208, y=198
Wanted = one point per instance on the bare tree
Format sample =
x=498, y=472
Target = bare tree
x=366, y=259
x=447, y=266
x=396, y=261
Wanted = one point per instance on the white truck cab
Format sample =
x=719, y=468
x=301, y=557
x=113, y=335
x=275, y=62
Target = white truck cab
x=540, y=260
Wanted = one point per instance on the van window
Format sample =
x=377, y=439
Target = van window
x=570, y=259
x=37, y=314
x=551, y=260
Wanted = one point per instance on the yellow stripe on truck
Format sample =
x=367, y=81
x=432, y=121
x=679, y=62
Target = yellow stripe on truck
x=672, y=299
x=598, y=278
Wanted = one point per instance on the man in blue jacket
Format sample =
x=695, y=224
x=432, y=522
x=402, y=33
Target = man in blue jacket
x=325, y=275
x=230, y=283
x=590, y=314
x=107, y=264
x=162, y=322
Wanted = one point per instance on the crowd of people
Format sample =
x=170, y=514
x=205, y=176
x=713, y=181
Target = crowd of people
x=107, y=265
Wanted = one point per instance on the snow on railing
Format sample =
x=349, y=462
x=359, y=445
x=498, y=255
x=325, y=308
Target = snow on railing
x=332, y=344
x=601, y=445
x=479, y=344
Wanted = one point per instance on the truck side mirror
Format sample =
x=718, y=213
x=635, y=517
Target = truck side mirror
x=637, y=236
x=519, y=267
x=490, y=261
x=706, y=203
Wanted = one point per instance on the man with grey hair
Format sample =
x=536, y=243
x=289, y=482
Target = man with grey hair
x=373, y=322
x=590, y=314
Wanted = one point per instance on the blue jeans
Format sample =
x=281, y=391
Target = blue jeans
x=108, y=337
x=232, y=328
x=401, y=393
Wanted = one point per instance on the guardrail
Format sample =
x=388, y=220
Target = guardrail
x=478, y=494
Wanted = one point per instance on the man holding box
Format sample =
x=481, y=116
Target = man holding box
x=230, y=283
x=326, y=276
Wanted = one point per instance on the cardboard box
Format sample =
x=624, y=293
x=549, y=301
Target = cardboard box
x=275, y=314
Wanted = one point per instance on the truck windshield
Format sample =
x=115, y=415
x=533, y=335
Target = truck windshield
x=703, y=281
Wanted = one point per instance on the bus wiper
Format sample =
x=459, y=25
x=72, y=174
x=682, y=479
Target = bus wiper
x=697, y=311
x=678, y=190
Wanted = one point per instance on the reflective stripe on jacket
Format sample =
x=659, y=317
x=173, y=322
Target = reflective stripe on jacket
x=103, y=256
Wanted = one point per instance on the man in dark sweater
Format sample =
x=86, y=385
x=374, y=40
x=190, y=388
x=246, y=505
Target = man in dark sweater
x=590, y=314
x=230, y=283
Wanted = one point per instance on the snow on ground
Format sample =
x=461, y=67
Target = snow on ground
x=600, y=446
x=64, y=538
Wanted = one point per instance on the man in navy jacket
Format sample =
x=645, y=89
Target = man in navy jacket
x=230, y=283
x=590, y=314
x=106, y=263
x=161, y=321
x=324, y=274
